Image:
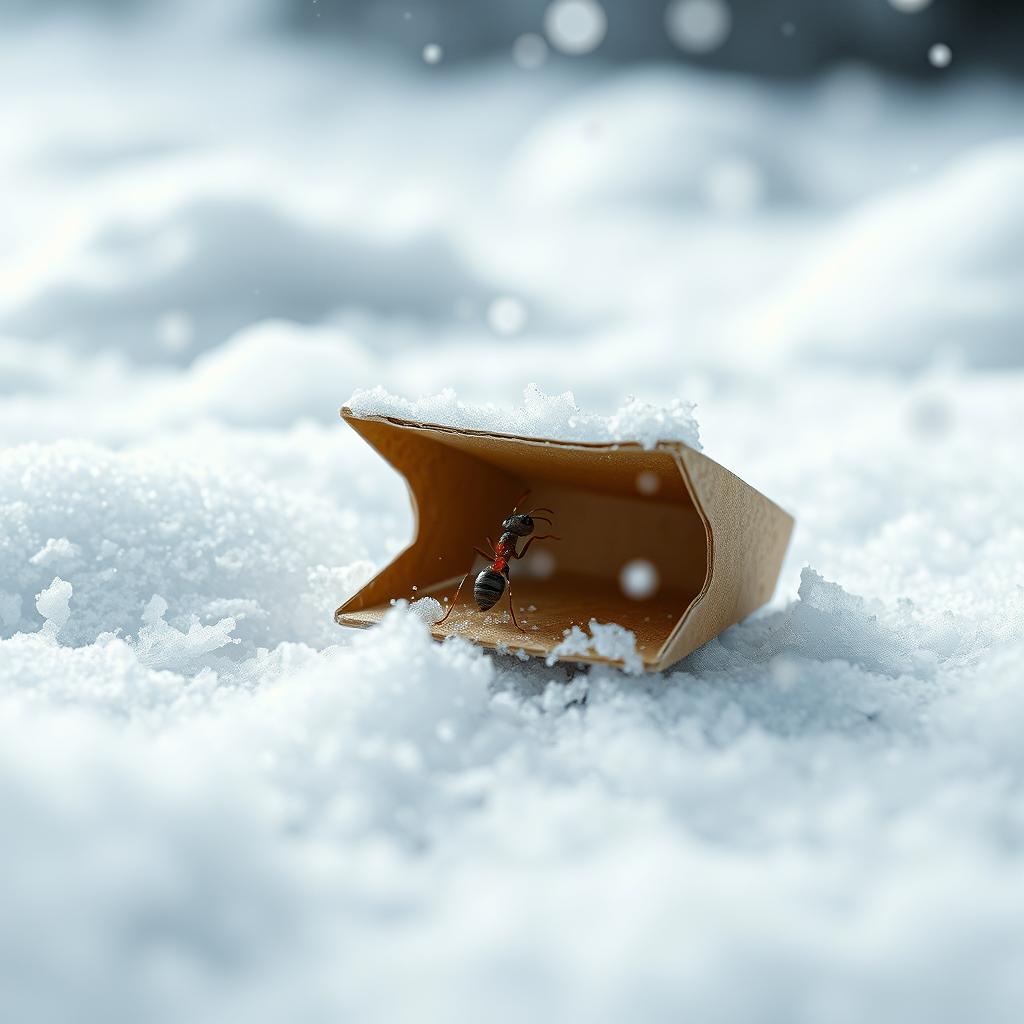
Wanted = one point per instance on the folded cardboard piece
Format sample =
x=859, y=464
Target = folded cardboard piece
x=715, y=543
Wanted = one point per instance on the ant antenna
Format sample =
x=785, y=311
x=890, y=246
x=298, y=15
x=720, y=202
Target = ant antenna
x=525, y=494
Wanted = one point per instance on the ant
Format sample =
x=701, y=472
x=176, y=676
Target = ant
x=490, y=583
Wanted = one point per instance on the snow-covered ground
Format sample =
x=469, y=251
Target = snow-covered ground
x=217, y=805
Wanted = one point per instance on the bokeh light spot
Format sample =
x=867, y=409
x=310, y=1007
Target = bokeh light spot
x=910, y=6
x=575, y=27
x=530, y=51
x=506, y=315
x=540, y=564
x=175, y=331
x=648, y=482
x=639, y=579
x=698, y=26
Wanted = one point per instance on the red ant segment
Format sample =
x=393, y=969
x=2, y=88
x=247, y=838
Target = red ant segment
x=490, y=583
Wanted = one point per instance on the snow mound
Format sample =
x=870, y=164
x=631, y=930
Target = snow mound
x=658, y=137
x=214, y=543
x=400, y=791
x=828, y=623
x=180, y=283
x=105, y=679
x=923, y=273
x=552, y=416
x=311, y=368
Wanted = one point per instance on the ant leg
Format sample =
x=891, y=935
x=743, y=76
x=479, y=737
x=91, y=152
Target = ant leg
x=490, y=544
x=526, y=547
x=483, y=554
x=455, y=599
x=511, y=608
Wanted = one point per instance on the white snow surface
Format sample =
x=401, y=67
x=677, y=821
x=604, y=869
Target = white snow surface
x=218, y=805
x=556, y=417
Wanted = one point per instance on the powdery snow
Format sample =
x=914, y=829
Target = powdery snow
x=427, y=609
x=607, y=640
x=552, y=416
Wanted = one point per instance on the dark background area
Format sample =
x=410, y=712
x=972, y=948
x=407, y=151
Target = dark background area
x=770, y=37
x=783, y=38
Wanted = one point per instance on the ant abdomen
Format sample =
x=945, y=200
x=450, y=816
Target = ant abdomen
x=487, y=588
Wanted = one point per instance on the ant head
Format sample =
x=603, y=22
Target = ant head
x=520, y=524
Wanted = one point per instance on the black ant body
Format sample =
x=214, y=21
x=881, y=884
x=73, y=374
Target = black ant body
x=490, y=583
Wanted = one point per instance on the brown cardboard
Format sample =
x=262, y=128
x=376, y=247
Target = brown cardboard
x=716, y=542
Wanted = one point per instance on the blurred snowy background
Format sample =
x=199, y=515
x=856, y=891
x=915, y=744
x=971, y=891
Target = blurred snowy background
x=219, y=219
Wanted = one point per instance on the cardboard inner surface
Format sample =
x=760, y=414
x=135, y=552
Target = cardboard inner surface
x=558, y=603
x=611, y=505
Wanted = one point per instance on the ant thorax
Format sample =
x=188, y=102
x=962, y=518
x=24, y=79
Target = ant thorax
x=506, y=544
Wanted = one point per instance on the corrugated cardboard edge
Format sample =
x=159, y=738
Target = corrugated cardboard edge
x=747, y=533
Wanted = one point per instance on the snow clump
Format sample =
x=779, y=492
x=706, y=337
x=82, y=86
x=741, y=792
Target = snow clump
x=606, y=640
x=556, y=417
